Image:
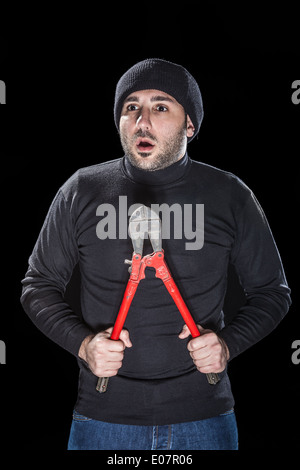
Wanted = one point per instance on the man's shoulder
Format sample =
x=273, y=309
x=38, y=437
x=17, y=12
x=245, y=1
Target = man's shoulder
x=217, y=177
x=87, y=177
x=99, y=170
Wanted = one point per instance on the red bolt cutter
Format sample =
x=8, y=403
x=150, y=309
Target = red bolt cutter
x=145, y=222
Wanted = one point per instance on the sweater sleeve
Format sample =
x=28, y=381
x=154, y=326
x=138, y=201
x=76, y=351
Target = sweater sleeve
x=50, y=268
x=261, y=275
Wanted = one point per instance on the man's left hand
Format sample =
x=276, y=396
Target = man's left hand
x=208, y=351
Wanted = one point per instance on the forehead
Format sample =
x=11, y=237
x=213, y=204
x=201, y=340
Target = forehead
x=150, y=95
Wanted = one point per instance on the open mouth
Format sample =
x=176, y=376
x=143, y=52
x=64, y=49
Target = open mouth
x=144, y=145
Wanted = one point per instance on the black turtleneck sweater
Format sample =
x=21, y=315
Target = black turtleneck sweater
x=158, y=382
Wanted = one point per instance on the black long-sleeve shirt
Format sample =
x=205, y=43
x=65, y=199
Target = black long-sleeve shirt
x=87, y=224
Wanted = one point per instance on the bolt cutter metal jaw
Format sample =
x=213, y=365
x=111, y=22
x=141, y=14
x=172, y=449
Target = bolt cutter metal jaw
x=145, y=223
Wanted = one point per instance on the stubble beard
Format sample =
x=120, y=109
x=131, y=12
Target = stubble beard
x=173, y=149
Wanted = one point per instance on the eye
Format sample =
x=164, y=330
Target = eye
x=132, y=107
x=161, y=108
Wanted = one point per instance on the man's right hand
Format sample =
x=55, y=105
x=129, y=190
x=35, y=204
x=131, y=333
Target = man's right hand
x=103, y=355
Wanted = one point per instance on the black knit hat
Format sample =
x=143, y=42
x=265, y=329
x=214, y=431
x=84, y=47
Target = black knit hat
x=158, y=74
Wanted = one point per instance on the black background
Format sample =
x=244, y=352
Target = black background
x=60, y=68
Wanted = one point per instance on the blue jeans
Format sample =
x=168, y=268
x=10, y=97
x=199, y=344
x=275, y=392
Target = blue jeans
x=219, y=433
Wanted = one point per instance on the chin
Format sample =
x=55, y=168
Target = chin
x=144, y=154
x=151, y=161
x=144, y=161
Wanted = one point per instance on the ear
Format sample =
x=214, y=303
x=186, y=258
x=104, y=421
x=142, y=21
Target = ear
x=190, y=128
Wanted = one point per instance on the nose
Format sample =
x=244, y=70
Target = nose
x=143, y=121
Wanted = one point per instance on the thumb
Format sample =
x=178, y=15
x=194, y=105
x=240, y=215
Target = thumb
x=124, y=336
x=185, y=332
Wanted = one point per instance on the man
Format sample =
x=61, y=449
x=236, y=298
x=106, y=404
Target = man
x=158, y=396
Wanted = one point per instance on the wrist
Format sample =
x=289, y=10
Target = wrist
x=82, y=349
x=225, y=347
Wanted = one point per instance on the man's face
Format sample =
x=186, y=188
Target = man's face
x=154, y=129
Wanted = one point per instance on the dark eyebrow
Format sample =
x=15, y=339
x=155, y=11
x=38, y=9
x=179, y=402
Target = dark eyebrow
x=161, y=98
x=153, y=98
x=131, y=98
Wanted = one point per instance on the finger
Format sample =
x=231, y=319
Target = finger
x=109, y=330
x=113, y=365
x=124, y=336
x=115, y=356
x=196, y=343
x=203, y=362
x=185, y=332
x=116, y=346
x=200, y=354
x=105, y=372
x=103, y=334
x=111, y=372
x=211, y=369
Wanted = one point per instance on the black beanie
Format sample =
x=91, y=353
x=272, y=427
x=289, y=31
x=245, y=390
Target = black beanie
x=158, y=74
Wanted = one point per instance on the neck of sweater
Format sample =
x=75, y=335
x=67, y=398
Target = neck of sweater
x=168, y=175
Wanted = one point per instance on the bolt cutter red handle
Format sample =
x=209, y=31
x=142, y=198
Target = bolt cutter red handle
x=138, y=266
x=155, y=260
